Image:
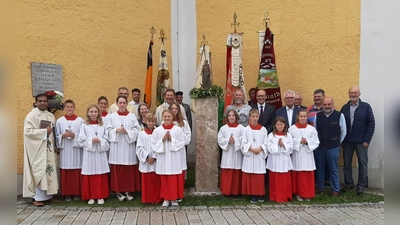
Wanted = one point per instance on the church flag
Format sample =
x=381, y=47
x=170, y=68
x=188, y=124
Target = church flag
x=149, y=75
x=234, y=67
x=267, y=74
x=163, y=77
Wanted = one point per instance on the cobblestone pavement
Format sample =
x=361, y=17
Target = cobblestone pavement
x=354, y=213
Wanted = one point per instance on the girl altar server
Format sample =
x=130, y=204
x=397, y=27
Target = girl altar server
x=67, y=131
x=95, y=169
x=229, y=139
x=184, y=125
x=151, y=182
x=279, y=163
x=168, y=141
x=305, y=141
x=254, y=148
x=102, y=104
x=122, y=132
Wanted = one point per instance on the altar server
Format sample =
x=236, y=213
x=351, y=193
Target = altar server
x=122, y=132
x=254, y=148
x=95, y=169
x=279, y=163
x=151, y=182
x=67, y=131
x=305, y=140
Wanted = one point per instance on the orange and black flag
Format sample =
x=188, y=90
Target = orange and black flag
x=149, y=75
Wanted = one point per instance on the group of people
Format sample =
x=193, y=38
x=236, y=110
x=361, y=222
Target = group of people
x=125, y=148
x=290, y=143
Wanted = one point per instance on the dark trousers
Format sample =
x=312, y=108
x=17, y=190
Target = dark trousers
x=362, y=156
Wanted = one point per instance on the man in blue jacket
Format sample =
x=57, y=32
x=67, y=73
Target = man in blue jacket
x=360, y=123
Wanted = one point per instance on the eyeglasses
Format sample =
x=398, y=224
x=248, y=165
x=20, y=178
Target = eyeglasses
x=289, y=98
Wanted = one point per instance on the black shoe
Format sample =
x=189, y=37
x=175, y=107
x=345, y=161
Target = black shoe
x=348, y=187
x=253, y=199
x=327, y=183
x=360, y=190
x=319, y=191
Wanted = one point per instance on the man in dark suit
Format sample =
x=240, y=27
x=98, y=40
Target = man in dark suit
x=188, y=112
x=289, y=111
x=267, y=111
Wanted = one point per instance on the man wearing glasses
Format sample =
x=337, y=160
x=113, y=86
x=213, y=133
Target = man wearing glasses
x=289, y=111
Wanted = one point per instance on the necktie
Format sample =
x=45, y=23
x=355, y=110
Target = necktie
x=261, y=110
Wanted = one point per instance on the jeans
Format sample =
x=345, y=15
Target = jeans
x=323, y=157
x=362, y=156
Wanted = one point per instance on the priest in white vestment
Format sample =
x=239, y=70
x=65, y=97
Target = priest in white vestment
x=40, y=171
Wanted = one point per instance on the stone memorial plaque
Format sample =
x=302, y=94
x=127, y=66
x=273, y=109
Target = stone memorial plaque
x=46, y=77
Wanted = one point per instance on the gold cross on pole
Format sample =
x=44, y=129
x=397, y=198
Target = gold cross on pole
x=152, y=31
x=234, y=24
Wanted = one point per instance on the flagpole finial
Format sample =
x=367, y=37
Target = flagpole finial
x=152, y=31
x=266, y=18
x=162, y=35
x=204, y=42
x=234, y=24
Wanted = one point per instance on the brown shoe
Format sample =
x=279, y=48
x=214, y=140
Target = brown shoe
x=335, y=194
x=38, y=204
x=52, y=200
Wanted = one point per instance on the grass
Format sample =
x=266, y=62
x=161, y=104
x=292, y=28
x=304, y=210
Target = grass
x=326, y=198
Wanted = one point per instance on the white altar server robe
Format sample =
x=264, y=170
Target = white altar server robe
x=70, y=151
x=279, y=157
x=144, y=150
x=168, y=152
x=232, y=156
x=303, y=156
x=254, y=163
x=94, y=155
x=122, y=146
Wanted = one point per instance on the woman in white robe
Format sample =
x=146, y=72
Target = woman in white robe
x=229, y=139
x=255, y=151
x=305, y=141
x=279, y=163
x=122, y=132
x=67, y=131
x=168, y=141
x=95, y=169
x=184, y=125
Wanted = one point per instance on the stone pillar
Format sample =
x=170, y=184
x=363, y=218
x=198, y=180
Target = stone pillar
x=207, y=153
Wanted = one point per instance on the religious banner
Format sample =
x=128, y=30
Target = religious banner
x=267, y=74
x=163, y=77
x=149, y=75
x=234, y=67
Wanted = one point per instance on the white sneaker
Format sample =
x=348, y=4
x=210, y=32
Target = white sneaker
x=100, y=201
x=128, y=196
x=179, y=200
x=165, y=203
x=307, y=199
x=120, y=197
x=91, y=202
x=175, y=203
x=299, y=198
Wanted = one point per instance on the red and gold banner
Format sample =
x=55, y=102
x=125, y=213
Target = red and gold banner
x=267, y=74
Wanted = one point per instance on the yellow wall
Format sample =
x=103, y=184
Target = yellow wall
x=316, y=42
x=100, y=45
